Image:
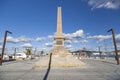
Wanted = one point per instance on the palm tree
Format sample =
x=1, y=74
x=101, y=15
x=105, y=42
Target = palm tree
x=28, y=52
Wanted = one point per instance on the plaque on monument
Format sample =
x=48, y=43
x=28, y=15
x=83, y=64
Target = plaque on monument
x=59, y=43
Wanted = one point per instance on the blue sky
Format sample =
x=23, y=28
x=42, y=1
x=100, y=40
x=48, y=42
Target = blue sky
x=85, y=23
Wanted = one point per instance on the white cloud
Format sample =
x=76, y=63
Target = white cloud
x=84, y=41
x=0, y=47
x=69, y=36
x=118, y=46
x=1, y=42
x=24, y=39
x=110, y=4
x=40, y=39
x=118, y=38
x=27, y=45
x=12, y=40
x=77, y=34
x=50, y=36
x=49, y=44
x=68, y=46
x=68, y=41
x=75, y=41
x=100, y=37
x=19, y=39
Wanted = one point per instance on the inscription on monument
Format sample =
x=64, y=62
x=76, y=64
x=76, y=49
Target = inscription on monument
x=59, y=43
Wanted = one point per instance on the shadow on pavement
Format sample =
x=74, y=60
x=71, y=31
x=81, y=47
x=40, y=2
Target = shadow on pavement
x=49, y=67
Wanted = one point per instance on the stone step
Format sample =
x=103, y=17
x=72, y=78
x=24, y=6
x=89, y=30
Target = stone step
x=60, y=61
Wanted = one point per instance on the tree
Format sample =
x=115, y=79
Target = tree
x=42, y=52
x=28, y=52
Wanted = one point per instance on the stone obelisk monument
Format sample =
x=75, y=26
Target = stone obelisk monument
x=59, y=37
x=59, y=56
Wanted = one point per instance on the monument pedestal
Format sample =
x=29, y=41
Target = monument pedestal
x=65, y=60
x=59, y=60
x=59, y=50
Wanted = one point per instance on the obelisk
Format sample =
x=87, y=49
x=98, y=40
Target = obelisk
x=59, y=56
x=59, y=21
x=59, y=37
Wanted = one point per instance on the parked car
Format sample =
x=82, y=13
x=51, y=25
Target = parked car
x=20, y=56
x=5, y=57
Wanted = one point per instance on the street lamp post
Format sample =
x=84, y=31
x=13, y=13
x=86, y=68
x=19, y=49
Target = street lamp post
x=14, y=53
x=99, y=51
x=3, y=48
x=114, y=40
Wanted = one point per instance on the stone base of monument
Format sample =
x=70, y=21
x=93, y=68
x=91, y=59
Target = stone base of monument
x=59, y=50
x=59, y=60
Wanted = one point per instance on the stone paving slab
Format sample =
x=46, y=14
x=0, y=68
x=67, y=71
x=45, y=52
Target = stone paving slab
x=94, y=70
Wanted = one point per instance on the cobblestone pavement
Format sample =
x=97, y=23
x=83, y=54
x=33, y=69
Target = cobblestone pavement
x=95, y=70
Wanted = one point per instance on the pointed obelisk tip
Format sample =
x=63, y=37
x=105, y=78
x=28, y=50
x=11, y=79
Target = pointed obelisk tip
x=59, y=3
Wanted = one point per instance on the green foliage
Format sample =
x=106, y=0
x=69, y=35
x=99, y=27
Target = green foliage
x=28, y=51
x=42, y=52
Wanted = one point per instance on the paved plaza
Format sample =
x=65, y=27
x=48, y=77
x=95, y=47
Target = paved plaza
x=95, y=70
